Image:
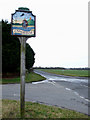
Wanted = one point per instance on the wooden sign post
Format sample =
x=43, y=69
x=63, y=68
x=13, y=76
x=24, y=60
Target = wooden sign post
x=23, y=26
x=22, y=75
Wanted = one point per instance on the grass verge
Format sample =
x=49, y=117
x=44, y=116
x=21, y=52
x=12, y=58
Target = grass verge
x=79, y=73
x=30, y=77
x=11, y=109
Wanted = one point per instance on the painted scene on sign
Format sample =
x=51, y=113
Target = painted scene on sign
x=23, y=23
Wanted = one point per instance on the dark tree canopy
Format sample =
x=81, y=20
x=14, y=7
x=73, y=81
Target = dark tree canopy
x=29, y=56
x=11, y=51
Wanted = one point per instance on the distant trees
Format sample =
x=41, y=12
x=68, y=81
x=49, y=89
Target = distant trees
x=11, y=51
x=62, y=68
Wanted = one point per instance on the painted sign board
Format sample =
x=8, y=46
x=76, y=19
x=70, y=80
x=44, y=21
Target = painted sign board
x=23, y=24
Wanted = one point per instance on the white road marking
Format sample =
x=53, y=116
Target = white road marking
x=67, y=88
x=82, y=97
x=16, y=94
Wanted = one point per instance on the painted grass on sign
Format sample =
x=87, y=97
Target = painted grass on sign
x=79, y=73
x=11, y=109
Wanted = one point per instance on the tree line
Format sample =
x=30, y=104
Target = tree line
x=11, y=51
x=62, y=68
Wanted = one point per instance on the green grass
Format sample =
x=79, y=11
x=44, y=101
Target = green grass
x=30, y=77
x=33, y=77
x=79, y=73
x=11, y=109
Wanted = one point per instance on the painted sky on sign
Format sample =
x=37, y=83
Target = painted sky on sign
x=22, y=15
x=61, y=30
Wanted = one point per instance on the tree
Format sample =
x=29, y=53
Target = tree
x=29, y=57
x=11, y=51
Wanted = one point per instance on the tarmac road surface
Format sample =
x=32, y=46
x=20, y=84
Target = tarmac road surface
x=65, y=92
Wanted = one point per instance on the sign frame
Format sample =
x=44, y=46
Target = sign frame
x=24, y=11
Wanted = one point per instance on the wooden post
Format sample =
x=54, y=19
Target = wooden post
x=22, y=75
x=24, y=31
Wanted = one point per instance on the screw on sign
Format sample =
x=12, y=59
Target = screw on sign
x=23, y=26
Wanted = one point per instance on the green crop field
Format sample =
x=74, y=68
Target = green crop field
x=79, y=73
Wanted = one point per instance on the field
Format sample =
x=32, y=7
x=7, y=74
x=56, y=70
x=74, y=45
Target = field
x=79, y=73
x=33, y=77
x=30, y=77
x=11, y=109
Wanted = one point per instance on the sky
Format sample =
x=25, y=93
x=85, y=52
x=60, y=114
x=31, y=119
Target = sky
x=26, y=16
x=61, y=30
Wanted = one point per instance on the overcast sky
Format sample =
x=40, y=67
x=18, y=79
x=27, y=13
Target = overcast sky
x=61, y=30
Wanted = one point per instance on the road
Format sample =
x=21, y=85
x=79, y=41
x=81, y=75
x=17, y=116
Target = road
x=62, y=91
